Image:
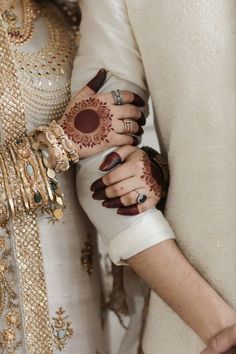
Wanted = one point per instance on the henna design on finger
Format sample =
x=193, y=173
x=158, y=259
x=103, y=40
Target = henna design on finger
x=151, y=177
x=142, y=120
x=96, y=83
x=100, y=194
x=138, y=101
x=99, y=184
x=110, y=162
x=129, y=211
x=88, y=123
x=113, y=203
x=140, y=131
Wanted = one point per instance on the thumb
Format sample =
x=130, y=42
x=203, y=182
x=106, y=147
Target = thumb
x=93, y=85
x=116, y=157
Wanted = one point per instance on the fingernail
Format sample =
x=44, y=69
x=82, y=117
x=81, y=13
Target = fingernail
x=138, y=101
x=96, y=83
x=110, y=162
x=135, y=141
x=113, y=203
x=142, y=120
x=99, y=195
x=128, y=211
x=99, y=184
x=140, y=131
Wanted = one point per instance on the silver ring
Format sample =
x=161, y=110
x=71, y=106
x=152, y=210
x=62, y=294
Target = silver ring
x=118, y=99
x=141, y=198
x=128, y=123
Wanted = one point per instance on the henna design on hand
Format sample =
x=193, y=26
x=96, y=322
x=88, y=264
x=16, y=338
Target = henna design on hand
x=151, y=176
x=88, y=123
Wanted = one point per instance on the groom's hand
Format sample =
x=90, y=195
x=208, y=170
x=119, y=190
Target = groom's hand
x=225, y=342
x=95, y=121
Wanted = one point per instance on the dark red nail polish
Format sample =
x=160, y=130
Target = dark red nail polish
x=135, y=141
x=96, y=83
x=140, y=131
x=128, y=211
x=99, y=195
x=142, y=120
x=99, y=184
x=110, y=162
x=113, y=203
x=138, y=101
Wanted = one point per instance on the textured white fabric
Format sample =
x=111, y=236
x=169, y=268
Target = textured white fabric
x=188, y=52
x=104, y=28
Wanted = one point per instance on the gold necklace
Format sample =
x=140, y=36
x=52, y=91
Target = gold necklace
x=17, y=34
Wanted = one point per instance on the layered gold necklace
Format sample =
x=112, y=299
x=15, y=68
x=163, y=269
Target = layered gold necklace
x=19, y=34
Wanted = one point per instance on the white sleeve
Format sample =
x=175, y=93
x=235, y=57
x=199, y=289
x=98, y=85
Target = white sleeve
x=107, y=41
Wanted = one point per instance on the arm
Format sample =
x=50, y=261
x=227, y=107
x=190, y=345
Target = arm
x=105, y=27
x=163, y=267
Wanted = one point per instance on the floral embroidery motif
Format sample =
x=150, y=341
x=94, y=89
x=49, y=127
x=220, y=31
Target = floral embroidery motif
x=88, y=257
x=62, y=329
x=9, y=312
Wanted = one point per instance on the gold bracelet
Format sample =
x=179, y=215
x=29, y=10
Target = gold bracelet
x=14, y=182
x=23, y=192
x=43, y=172
x=62, y=161
x=7, y=187
x=30, y=172
x=65, y=141
x=4, y=210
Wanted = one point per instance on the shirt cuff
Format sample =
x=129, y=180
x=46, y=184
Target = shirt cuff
x=146, y=232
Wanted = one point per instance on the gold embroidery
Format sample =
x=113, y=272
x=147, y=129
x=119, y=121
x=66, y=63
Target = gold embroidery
x=25, y=238
x=62, y=329
x=10, y=336
x=88, y=258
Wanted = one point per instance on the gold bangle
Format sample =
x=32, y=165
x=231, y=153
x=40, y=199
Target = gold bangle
x=7, y=187
x=65, y=141
x=4, y=210
x=30, y=171
x=62, y=161
x=23, y=192
x=43, y=172
x=14, y=182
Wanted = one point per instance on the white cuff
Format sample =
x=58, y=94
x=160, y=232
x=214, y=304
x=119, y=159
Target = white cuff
x=147, y=231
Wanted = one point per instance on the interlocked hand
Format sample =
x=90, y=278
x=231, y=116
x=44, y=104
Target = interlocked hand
x=133, y=186
x=94, y=122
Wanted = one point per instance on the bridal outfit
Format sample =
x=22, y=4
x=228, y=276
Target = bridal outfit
x=186, y=49
x=67, y=316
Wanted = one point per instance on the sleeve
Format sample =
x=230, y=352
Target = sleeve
x=107, y=41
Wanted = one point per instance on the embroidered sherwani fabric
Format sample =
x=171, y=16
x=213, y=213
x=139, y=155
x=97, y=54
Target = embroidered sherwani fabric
x=188, y=53
x=44, y=65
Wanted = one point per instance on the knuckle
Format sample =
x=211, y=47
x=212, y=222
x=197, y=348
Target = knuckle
x=128, y=95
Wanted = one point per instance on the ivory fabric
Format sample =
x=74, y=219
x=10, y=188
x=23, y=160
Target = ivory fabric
x=69, y=286
x=105, y=28
x=188, y=53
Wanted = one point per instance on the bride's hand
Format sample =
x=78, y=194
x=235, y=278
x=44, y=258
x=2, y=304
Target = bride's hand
x=133, y=186
x=95, y=123
x=223, y=342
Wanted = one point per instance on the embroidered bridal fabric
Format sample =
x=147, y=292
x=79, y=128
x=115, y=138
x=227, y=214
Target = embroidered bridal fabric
x=188, y=53
x=74, y=295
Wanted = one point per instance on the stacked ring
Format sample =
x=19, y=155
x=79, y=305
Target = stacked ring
x=127, y=126
x=118, y=99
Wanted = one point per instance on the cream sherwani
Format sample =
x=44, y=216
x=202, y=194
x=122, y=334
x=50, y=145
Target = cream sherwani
x=188, y=52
